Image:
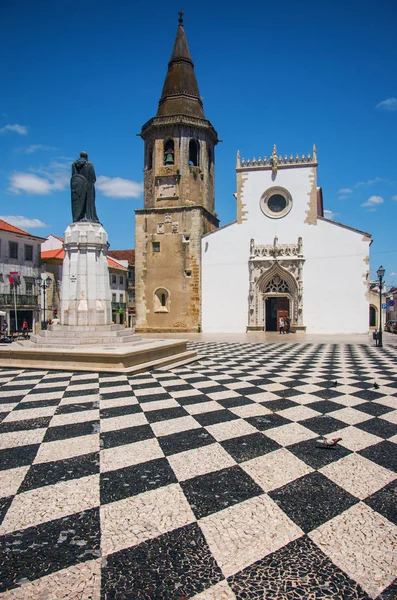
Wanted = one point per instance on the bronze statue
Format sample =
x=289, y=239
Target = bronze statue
x=83, y=190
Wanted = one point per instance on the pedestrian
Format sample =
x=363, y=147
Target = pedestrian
x=287, y=324
x=25, y=328
x=281, y=325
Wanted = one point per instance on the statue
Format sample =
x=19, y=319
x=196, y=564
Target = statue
x=83, y=190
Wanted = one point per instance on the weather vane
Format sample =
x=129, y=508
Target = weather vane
x=180, y=17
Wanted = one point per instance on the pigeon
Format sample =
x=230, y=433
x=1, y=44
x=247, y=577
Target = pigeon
x=335, y=383
x=324, y=443
x=376, y=386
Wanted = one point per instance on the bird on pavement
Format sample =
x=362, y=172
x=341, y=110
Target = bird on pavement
x=376, y=386
x=324, y=443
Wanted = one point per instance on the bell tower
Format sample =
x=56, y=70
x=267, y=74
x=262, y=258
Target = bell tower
x=179, y=144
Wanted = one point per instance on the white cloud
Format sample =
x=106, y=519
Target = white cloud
x=43, y=180
x=394, y=198
x=329, y=214
x=23, y=222
x=35, y=148
x=21, y=129
x=389, y=104
x=393, y=274
x=29, y=183
x=369, y=182
x=56, y=176
x=373, y=202
x=345, y=191
x=117, y=187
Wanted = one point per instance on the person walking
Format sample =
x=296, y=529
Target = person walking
x=287, y=324
x=25, y=329
x=281, y=325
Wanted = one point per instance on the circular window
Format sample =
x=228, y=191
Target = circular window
x=276, y=202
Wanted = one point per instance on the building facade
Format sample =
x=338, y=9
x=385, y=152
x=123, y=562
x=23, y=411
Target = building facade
x=179, y=146
x=282, y=258
x=127, y=259
x=19, y=268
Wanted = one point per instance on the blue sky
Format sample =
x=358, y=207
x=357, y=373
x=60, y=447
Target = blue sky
x=87, y=75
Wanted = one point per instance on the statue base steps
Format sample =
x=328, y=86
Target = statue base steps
x=86, y=335
x=144, y=355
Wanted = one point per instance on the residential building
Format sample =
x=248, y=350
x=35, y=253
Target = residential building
x=19, y=268
x=127, y=258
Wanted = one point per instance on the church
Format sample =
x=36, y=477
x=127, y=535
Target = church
x=280, y=258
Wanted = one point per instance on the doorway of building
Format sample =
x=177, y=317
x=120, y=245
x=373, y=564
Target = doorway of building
x=275, y=309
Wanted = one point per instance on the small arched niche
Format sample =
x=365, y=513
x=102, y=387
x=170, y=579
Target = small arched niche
x=194, y=153
x=372, y=316
x=169, y=152
x=161, y=300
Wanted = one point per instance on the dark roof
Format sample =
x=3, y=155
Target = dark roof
x=180, y=95
x=123, y=255
x=369, y=235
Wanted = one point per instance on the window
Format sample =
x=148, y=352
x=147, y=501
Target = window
x=156, y=246
x=186, y=238
x=114, y=280
x=29, y=288
x=121, y=297
x=113, y=297
x=194, y=153
x=13, y=249
x=209, y=160
x=121, y=279
x=161, y=300
x=277, y=285
x=169, y=152
x=28, y=252
x=276, y=202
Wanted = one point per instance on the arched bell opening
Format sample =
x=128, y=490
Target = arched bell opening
x=194, y=153
x=169, y=152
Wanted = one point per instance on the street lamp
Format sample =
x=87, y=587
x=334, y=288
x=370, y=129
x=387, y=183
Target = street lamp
x=43, y=284
x=380, y=273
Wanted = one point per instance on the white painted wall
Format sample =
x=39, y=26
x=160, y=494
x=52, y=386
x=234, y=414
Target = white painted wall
x=334, y=284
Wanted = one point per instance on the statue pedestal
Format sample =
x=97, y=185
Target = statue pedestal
x=85, y=294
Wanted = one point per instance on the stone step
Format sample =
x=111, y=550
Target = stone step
x=95, y=333
x=71, y=342
x=79, y=328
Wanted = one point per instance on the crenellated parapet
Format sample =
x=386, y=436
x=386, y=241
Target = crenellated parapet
x=277, y=161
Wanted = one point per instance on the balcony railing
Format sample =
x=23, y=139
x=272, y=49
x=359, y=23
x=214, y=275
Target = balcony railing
x=22, y=300
x=117, y=305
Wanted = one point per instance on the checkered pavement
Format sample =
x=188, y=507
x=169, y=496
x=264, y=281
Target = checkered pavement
x=203, y=481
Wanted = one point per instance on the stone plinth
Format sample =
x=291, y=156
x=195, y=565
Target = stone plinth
x=84, y=335
x=85, y=293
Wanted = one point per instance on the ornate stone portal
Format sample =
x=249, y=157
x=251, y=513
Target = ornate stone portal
x=275, y=270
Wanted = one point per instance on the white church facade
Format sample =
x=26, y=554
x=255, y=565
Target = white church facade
x=281, y=257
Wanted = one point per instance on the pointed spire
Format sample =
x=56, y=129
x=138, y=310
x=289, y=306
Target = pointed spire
x=180, y=93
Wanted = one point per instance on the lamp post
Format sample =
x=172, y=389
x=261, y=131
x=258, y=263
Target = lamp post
x=380, y=273
x=43, y=285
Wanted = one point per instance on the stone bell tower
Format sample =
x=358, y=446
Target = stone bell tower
x=178, y=201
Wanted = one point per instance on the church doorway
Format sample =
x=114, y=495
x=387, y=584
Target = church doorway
x=276, y=308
